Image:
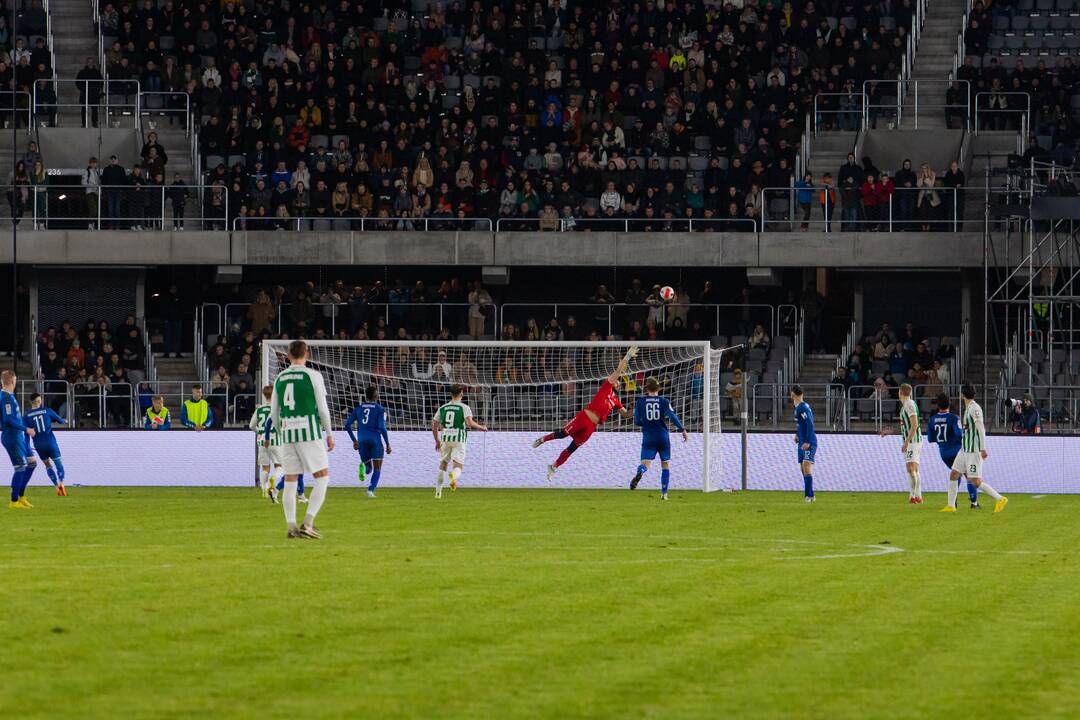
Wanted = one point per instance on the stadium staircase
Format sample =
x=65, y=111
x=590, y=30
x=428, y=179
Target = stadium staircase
x=75, y=40
x=830, y=151
x=934, y=63
x=175, y=377
x=818, y=369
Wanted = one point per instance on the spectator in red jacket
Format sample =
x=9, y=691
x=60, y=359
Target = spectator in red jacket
x=871, y=199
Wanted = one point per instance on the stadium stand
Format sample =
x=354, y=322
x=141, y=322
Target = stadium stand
x=414, y=111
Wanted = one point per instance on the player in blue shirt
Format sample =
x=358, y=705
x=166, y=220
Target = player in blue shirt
x=13, y=436
x=944, y=429
x=652, y=413
x=41, y=419
x=805, y=439
x=370, y=419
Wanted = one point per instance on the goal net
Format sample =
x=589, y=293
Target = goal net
x=521, y=390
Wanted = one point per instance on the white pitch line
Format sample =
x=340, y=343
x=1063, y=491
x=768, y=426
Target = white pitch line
x=1037, y=497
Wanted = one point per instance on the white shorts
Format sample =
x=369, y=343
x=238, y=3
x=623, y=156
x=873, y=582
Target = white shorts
x=913, y=452
x=452, y=453
x=969, y=464
x=303, y=457
x=269, y=455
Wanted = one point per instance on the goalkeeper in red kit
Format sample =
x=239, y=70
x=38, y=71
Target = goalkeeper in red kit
x=584, y=424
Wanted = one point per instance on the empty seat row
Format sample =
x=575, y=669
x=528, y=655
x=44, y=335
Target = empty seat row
x=1034, y=41
x=1003, y=23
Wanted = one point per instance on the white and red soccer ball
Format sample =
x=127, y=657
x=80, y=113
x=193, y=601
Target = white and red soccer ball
x=667, y=293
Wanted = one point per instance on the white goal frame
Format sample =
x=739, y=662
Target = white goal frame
x=710, y=417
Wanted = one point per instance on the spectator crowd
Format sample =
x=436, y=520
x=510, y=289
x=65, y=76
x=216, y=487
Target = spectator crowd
x=546, y=114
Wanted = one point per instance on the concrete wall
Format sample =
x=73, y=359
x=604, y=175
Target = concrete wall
x=812, y=249
x=70, y=148
x=845, y=462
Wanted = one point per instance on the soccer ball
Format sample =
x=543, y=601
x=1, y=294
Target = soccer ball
x=667, y=293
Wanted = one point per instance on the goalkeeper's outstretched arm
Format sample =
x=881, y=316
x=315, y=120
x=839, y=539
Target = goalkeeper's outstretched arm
x=624, y=364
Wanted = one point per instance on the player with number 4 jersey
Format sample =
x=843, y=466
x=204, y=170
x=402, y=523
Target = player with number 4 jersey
x=301, y=419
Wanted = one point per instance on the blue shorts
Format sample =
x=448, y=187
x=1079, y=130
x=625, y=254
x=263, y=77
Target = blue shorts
x=651, y=446
x=949, y=460
x=48, y=450
x=806, y=455
x=18, y=451
x=371, y=447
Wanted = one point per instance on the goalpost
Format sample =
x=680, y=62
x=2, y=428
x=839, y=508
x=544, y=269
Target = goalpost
x=522, y=390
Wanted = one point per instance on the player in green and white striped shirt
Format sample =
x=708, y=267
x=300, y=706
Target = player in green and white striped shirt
x=972, y=453
x=268, y=461
x=912, y=442
x=451, y=426
x=301, y=418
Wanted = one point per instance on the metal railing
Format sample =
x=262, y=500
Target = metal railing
x=838, y=111
x=989, y=118
x=169, y=104
x=783, y=210
x=232, y=319
x=913, y=89
x=15, y=103
x=732, y=320
x=769, y=400
x=627, y=225
x=115, y=112
x=349, y=223
x=124, y=207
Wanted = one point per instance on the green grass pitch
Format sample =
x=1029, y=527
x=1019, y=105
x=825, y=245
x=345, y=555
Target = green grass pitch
x=190, y=603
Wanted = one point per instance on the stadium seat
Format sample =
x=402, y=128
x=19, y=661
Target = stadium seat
x=1019, y=22
x=1039, y=22
x=1014, y=42
x=319, y=141
x=996, y=42
x=1044, y=5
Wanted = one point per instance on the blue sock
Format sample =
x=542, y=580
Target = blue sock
x=59, y=468
x=973, y=492
x=52, y=475
x=808, y=485
x=26, y=478
x=641, y=469
x=16, y=483
x=374, y=480
x=299, y=484
x=665, y=478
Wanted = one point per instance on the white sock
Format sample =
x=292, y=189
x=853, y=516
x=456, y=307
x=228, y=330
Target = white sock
x=439, y=479
x=985, y=487
x=918, y=484
x=455, y=474
x=288, y=501
x=318, y=495
x=913, y=483
x=953, y=485
x=264, y=478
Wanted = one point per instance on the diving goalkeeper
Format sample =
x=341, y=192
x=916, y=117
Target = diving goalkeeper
x=584, y=424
